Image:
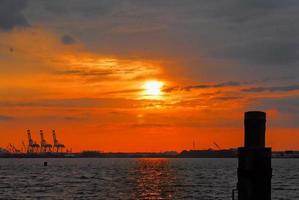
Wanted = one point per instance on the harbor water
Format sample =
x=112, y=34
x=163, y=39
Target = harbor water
x=144, y=178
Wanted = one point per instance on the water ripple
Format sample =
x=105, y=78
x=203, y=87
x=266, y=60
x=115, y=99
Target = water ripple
x=167, y=179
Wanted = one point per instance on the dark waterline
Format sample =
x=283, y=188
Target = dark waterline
x=145, y=178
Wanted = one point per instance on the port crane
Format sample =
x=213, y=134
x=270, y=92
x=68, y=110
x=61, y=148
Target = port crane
x=12, y=149
x=25, y=149
x=44, y=146
x=32, y=145
x=217, y=146
x=56, y=145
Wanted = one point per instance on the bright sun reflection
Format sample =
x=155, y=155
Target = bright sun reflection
x=153, y=88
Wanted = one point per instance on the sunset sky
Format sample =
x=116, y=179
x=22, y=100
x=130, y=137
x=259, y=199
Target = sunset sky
x=148, y=75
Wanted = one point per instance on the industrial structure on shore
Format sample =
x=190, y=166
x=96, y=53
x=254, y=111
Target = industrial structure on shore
x=33, y=147
x=44, y=146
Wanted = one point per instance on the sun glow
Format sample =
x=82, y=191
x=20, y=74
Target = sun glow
x=153, y=88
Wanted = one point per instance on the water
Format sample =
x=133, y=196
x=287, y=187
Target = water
x=92, y=178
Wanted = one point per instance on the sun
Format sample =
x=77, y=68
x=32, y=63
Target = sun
x=153, y=88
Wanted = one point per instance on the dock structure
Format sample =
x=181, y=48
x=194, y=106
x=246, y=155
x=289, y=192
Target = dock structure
x=254, y=160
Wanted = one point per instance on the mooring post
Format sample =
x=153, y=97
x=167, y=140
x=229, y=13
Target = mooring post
x=254, y=168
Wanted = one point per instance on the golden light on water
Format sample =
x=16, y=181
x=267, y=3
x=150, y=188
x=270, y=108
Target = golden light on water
x=153, y=88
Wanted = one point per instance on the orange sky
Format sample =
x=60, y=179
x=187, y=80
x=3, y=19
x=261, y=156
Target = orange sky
x=100, y=100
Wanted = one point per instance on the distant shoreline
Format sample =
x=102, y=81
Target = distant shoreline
x=229, y=153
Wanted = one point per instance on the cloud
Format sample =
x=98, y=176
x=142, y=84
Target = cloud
x=151, y=125
x=82, y=8
x=74, y=118
x=203, y=86
x=287, y=108
x=263, y=33
x=5, y=118
x=242, y=11
x=239, y=83
x=272, y=89
x=125, y=91
x=251, y=36
x=11, y=15
x=80, y=103
x=267, y=52
x=96, y=68
x=228, y=84
x=227, y=98
x=86, y=72
x=67, y=39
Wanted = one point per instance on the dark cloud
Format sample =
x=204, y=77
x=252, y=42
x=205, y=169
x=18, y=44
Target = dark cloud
x=287, y=88
x=67, y=39
x=80, y=102
x=11, y=14
x=94, y=75
x=5, y=118
x=122, y=68
x=227, y=98
x=74, y=118
x=87, y=72
x=203, y=86
x=228, y=84
x=124, y=91
x=275, y=79
x=151, y=125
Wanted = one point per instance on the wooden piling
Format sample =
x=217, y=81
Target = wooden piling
x=254, y=160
